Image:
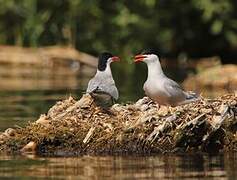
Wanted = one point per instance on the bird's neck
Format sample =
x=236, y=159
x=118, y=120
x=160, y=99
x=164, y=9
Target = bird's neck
x=154, y=69
x=106, y=72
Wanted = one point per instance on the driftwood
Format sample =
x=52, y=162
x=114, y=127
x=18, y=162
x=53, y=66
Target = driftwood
x=76, y=127
x=43, y=68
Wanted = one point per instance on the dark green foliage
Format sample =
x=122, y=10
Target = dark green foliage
x=195, y=27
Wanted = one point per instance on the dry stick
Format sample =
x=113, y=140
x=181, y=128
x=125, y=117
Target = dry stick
x=88, y=135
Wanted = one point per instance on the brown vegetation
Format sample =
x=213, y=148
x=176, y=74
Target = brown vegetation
x=76, y=127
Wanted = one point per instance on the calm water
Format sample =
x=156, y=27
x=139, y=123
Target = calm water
x=120, y=167
x=20, y=107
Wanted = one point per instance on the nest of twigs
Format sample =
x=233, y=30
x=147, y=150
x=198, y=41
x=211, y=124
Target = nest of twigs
x=79, y=127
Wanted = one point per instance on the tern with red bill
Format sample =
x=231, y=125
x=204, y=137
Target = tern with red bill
x=159, y=87
x=102, y=86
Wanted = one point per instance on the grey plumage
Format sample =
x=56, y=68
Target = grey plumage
x=102, y=86
x=103, y=82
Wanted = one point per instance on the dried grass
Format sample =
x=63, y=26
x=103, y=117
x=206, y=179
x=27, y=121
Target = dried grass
x=76, y=127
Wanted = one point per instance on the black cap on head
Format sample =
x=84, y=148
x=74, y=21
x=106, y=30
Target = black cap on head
x=103, y=58
x=149, y=51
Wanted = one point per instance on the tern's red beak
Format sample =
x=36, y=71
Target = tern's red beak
x=139, y=58
x=115, y=59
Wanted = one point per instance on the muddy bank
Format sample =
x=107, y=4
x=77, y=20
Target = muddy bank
x=75, y=127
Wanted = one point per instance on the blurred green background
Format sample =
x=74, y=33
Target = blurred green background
x=195, y=28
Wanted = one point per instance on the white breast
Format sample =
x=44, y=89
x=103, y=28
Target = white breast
x=156, y=92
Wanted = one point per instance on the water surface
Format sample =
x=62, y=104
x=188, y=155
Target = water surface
x=187, y=166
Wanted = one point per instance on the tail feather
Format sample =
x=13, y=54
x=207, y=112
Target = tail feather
x=190, y=97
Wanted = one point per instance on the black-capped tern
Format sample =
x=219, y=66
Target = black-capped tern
x=102, y=86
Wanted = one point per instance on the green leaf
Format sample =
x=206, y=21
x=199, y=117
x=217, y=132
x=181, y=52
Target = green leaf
x=216, y=27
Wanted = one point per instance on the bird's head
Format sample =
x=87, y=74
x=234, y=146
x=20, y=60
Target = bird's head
x=146, y=56
x=105, y=59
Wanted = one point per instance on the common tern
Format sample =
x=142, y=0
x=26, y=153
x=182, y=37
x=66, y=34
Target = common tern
x=159, y=87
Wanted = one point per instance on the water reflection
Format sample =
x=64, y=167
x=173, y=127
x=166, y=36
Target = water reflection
x=19, y=107
x=186, y=166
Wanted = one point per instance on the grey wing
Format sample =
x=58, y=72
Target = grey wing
x=92, y=85
x=107, y=86
x=172, y=88
x=110, y=88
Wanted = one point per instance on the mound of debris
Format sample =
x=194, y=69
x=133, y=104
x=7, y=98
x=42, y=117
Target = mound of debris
x=80, y=127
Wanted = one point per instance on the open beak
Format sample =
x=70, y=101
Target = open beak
x=139, y=58
x=115, y=59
